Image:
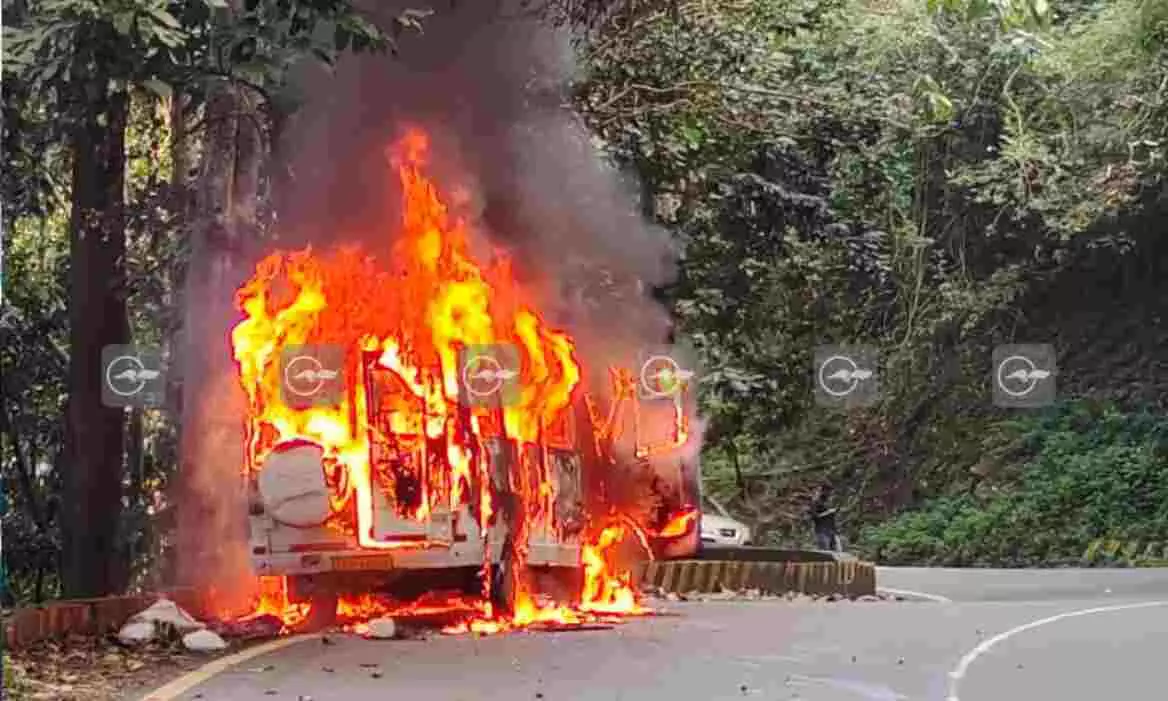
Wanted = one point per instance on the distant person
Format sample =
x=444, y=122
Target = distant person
x=823, y=520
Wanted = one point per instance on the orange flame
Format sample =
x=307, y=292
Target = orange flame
x=413, y=318
x=436, y=303
x=680, y=524
x=272, y=600
x=606, y=588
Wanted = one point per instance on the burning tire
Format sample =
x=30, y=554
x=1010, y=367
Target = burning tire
x=503, y=581
x=321, y=615
x=564, y=585
x=322, y=600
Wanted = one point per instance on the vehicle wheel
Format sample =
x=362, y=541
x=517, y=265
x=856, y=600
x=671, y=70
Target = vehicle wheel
x=503, y=582
x=322, y=615
x=564, y=585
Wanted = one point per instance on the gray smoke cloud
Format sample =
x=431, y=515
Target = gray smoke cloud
x=492, y=91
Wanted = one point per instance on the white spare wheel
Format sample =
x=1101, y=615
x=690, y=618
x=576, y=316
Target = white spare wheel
x=292, y=486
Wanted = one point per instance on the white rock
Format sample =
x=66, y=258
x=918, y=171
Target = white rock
x=137, y=632
x=203, y=641
x=382, y=628
x=166, y=612
x=292, y=486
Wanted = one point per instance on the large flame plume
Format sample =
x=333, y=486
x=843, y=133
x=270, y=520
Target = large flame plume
x=415, y=312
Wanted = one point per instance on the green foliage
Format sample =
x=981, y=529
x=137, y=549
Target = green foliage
x=33, y=364
x=61, y=59
x=1094, y=473
x=909, y=175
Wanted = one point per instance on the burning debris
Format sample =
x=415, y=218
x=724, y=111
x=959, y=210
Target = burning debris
x=414, y=418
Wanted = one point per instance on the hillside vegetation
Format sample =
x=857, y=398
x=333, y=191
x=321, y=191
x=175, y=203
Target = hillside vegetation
x=932, y=179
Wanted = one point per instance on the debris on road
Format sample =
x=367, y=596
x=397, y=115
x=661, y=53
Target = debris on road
x=153, y=645
x=166, y=612
x=161, y=619
x=203, y=641
x=253, y=628
x=384, y=628
x=137, y=633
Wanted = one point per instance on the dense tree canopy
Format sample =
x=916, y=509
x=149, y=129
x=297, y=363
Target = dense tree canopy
x=928, y=177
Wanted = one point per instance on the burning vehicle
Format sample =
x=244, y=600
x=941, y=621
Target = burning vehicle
x=416, y=429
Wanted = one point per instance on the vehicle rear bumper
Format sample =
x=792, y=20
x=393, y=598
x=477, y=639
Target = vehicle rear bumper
x=371, y=560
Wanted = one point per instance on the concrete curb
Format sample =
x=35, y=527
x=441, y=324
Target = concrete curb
x=752, y=553
x=850, y=578
x=59, y=619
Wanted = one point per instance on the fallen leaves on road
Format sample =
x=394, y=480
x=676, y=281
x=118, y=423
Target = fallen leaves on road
x=87, y=669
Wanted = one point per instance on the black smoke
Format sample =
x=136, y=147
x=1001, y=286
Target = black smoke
x=492, y=89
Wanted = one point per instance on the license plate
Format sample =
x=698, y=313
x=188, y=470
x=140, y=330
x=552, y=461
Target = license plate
x=351, y=563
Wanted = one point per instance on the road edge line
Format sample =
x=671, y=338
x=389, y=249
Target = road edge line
x=958, y=673
x=917, y=595
x=171, y=690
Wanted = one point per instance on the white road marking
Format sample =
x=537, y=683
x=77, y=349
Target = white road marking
x=188, y=681
x=909, y=594
x=962, y=667
x=873, y=692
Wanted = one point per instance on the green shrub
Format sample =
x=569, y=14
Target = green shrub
x=1092, y=473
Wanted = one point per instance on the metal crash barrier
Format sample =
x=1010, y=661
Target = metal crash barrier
x=849, y=578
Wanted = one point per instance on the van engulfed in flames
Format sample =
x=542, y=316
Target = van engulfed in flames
x=420, y=441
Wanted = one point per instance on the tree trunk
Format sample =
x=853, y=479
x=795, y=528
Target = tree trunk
x=135, y=464
x=212, y=510
x=92, y=477
x=739, y=478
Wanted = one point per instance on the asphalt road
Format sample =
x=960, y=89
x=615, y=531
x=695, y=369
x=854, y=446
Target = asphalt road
x=1064, y=635
x=967, y=585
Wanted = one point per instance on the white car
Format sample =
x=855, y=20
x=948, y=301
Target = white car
x=718, y=528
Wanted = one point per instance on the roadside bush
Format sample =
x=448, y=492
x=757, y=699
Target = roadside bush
x=1090, y=472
